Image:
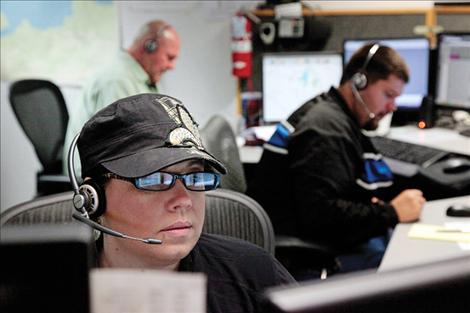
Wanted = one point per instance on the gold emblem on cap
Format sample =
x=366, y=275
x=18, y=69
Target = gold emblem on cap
x=183, y=137
x=188, y=133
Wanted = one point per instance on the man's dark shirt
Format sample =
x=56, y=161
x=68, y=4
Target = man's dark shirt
x=318, y=174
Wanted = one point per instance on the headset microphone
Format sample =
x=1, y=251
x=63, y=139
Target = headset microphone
x=86, y=200
x=361, y=101
x=111, y=232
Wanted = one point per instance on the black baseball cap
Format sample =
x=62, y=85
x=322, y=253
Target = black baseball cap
x=139, y=135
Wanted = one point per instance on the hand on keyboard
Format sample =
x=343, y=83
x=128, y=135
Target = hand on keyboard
x=408, y=205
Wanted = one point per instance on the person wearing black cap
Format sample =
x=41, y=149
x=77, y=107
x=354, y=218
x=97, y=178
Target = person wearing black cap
x=144, y=158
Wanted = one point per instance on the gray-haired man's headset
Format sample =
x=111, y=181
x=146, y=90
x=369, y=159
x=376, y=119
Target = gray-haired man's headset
x=89, y=201
x=151, y=45
x=359, y=80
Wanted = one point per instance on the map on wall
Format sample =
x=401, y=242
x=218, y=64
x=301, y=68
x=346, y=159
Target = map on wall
x=63, y=41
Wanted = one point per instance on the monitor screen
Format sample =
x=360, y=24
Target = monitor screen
x=416, y=52
x=45, y=268
x=453, y=71
x=290, y=79
x=434, y=287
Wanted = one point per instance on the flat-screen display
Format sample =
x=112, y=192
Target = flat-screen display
x=453, y=70
x=415, y=52
x=290, y=79
x=45, y=268
x=433, y=287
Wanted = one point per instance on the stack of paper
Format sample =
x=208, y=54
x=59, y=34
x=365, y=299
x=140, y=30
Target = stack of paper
x=451, y=232
x=143, y=291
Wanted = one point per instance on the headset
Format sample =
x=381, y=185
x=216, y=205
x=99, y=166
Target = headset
x=89, y=201
x=359, y=80
x=151, y=45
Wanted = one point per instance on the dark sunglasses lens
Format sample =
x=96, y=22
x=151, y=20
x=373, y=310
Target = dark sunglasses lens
x=155, y=182
x=201, y=181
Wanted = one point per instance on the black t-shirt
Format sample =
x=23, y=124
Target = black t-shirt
x=237, y=273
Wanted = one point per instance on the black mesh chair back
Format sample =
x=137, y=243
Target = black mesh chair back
x=51, y=209
x=235, y=214
x=219, y=139
x=227, y=213
x=42, y=113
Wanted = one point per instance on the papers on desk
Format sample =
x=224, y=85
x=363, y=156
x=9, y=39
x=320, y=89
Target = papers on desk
x=263, y=133
x=456, y=232
x=143, y=291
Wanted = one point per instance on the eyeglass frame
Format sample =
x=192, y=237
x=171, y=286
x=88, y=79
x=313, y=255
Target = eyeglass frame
x=174, y=177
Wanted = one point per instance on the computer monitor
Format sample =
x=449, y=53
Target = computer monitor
x=434, y=287
x=45, y=268
x=416, y=52
x=290, y=79
x=453, y=71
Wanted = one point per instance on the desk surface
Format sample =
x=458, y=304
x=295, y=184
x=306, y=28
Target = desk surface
x=439, y=138
x=403, y=251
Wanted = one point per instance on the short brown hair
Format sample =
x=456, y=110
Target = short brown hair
x=386, y=61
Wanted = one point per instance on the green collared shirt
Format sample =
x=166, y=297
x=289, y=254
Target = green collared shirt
x=121, y=78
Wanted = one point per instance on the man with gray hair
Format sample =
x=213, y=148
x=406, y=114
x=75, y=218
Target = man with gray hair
x=135, y=70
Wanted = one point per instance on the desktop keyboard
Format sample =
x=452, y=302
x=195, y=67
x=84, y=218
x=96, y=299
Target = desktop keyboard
x=408, y=152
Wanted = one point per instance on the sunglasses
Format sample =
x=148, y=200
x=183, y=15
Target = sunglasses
x=160, y=181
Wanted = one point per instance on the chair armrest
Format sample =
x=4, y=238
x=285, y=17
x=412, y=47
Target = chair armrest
x=302, y=257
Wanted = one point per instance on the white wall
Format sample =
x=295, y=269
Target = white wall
x=202, y=78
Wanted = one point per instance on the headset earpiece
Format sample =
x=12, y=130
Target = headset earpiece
x=94, y=199
x=359, y=80
x=151, y=45
x=89, y=197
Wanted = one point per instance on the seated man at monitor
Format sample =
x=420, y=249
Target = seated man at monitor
x=145, y=172
x=321, y=179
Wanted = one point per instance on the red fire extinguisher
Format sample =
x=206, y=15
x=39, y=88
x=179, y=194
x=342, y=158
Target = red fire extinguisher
x=242, y=58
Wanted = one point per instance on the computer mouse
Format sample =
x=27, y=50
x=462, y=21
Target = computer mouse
x=456, y=165
x=458, y=210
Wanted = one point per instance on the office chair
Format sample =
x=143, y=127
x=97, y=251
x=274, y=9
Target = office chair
x=235, y=214
x=232, y=213
x=50, y=209
x=42, y=113
x=228, y=213
x=219, y=139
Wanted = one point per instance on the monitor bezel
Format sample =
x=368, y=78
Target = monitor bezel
x=407, y=288
x=49, y=267
x=439, y=105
